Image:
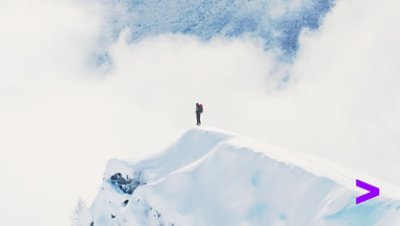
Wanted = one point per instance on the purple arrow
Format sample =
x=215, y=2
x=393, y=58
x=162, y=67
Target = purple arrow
x=372, y=191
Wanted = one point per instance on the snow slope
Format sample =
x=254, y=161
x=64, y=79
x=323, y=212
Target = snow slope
x=214, y=178
x=278, y=23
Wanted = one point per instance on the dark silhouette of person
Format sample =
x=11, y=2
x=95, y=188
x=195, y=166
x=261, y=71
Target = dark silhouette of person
x=199, y=110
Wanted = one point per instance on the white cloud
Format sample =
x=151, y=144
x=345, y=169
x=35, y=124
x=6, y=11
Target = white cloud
x=348, y=79
x=61, y=122
x=42, y=115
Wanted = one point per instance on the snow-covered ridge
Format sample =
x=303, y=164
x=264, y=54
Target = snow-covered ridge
x=210, y=177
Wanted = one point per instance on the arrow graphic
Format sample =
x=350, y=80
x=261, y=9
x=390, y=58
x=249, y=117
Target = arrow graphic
x=372, y=191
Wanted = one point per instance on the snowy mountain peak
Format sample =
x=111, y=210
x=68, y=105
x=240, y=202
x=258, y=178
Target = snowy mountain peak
x=211, y=177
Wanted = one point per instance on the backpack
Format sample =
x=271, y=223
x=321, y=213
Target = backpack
x=200, y=108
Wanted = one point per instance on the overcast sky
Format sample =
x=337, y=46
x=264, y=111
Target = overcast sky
x=61, y=119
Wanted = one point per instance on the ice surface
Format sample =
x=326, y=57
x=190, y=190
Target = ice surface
x=215, y=178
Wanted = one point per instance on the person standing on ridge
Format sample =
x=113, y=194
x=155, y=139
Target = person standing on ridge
x=199, y=110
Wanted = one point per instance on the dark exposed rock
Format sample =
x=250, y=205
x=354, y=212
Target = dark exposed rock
x=126, y=202
x=126, y=185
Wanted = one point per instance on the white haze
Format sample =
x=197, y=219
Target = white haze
x=60, y=120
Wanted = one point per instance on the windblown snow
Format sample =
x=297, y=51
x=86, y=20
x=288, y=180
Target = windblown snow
x=215, y=178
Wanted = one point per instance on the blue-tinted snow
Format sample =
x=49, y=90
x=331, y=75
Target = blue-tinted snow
x=211, y=177
x=277, y=22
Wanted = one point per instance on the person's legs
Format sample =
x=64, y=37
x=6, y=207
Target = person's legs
x=198, y=118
